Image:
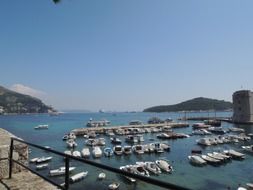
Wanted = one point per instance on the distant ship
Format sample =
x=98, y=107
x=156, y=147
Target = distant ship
x=101, y=111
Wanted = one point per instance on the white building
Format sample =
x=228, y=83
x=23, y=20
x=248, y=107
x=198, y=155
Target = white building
x=243, y=106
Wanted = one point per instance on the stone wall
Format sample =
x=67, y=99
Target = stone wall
x=20, y=153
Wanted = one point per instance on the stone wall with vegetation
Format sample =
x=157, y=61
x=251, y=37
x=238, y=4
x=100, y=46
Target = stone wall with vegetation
x=20, y=153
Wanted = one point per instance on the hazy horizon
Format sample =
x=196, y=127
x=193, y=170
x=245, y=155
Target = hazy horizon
x=126, y=55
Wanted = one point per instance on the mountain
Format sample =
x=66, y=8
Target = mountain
x=195, y=104
x=13, y=102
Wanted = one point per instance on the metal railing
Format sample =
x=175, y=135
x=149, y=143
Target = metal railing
x=89, y=162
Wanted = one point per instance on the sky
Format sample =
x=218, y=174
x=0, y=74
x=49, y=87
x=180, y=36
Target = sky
x=123, y=55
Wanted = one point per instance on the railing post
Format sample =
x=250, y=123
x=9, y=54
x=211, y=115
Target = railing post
x=66, y=172
x=10, y=158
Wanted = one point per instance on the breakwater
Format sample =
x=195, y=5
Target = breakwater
x=106, y=129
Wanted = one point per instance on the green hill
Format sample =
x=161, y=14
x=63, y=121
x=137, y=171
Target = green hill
x=195, y=104
x=13, y=102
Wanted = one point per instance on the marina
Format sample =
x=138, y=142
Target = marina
x=151, y=150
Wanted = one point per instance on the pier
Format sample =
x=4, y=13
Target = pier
x=105, y=129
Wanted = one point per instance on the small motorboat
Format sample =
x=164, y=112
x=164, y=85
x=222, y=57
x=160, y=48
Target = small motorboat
x=77, y=154
x=194, y=159
x=234, y=154
x=215, y=156
x=60, y=171
x=100, y=141
x=140, y=170
x=97, y=152
x=130, y=170
x=101, y=176
x=152, y=167
x=118, y=150
x=45, y=126
x=222, y=155
x=248, y=148
x=41, y=166
x=249, y=185
x=114, y=185
x=164, y=165
x=138, y=149
x=86, y=152
x=210, y=160
x=44, y=159
x=108, y=152
x=71, y=143
x=33, y=160
x=127, y=150
x=68, y=152
x=78, y=177
x=115, y=140
x=157, y=147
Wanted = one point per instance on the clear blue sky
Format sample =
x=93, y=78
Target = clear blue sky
x=126, y=54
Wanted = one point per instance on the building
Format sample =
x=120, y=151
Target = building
x=243, y=106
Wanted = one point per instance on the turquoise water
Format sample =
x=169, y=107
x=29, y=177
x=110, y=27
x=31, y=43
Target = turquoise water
x=209, y=177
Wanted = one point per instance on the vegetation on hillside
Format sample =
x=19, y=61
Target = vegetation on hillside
x=195, y=104
x=13, y=102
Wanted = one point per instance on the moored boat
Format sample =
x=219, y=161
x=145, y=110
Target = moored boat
x=138, y=149
x=60, y=171
x=44, y=159
x=114, y=185
x=210, y=160
x=78, y=177
x=101, y=175
x=234, y=154
x=77, y=154
x=97, y=152
x=164, y=165
x=194, y=159
x=118, y=150
x=108, y=152
x=127, y=150
x=86, y=152
x=41, y=166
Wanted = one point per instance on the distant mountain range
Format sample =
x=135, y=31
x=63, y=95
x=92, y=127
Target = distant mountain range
x=16, y=103
x=195, y=104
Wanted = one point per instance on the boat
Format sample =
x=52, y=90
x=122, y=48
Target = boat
x=45, y=126
x=222, y=155
x=127, y=150
x=148, y=148
x=68, y=152
x=200, y=126
x=108, y=152
x=78, y=177
x=100, y=142
x=41, y=166
x=91, y=142
x=140, y=138
x=114, y=185
x=210, y=160
x=60, y=171
x=157, y=147
x=115, y=140
x=165, y=146
x=152, y=167
x=194, y=159
x=71, y=143
x=130, y=170
x=138, y=149
x=248, y=148
x=234, y=154
x=69, y=136
x=216, y=130
x=140, y=170
x=249, y=185
x=97, y=152
x=34, y=160
x=131, y=139
x=164, y=165
x=101, y=176
x=77, y=154
x=201, y=132
x=44, y=159
x=236, y=130
x=204, y=141
x=135, y=122
x=215, y=156
x=86, y=152
x=118, y=150
x=100, y=123
x=212, y=122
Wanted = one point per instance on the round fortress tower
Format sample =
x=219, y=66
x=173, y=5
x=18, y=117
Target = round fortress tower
x=243, y=106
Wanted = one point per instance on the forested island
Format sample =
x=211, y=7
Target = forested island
x=196, y=104
x=15, y=103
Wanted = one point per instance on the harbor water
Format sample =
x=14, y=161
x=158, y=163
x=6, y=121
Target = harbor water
x=226, y=176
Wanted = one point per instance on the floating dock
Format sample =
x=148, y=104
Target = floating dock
x=104, y=130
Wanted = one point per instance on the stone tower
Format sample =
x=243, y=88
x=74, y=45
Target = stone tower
x=243, y=106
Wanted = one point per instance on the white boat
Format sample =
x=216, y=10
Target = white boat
x=248, y=148
x=77, y=154
x=115, y=140
x=148, y=148
x=196, y=160
x=41, y=166
x=236, y=129
x=222, y=155
x=33, y=160
x=138, y=149
x=140, y=138
x=44, y=159
x=78, y=177
x=165, y=146
x=86, y=152
x=164, y=165
x=97, y=152
x=204, y=141
x=68, y=152
x=210, y=160
x=157, y=147
x=91, y=142
x=101, y=176
x=234, y=154
x=140, y=170
x=108, y=152
x=118, y=150
x=152, y=167
x=60, y=171
x=131, y=139
x=45, y=126
x=200, y=126
x=215, y=156
x=130, y=170
x=127, y=150
x=114, y=185
x=201, y=132
x=249, y=185
x=71, y=143
x=100, y=142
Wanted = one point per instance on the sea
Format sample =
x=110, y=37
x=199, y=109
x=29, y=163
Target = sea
x=226, y=176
